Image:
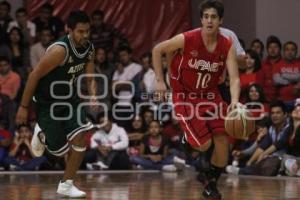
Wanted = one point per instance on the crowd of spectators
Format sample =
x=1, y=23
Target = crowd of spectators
x=141, y=132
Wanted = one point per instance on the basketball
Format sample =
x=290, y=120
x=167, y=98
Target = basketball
x=238, y=123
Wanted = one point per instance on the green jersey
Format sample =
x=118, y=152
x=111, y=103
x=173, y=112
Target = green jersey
x=59, y=85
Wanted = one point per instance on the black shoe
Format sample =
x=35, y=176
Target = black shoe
x=211, y=191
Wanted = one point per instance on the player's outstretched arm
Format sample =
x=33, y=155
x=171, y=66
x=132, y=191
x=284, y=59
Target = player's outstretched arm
x=53, y=58
x=234, y=78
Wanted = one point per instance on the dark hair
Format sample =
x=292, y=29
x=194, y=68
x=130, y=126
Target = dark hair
x=292, y=43
x=216, y=4
x=125, y=48
x=98, y=12
x=255, y=56
x=5, y=3
x=256, y=40
x=21, y=42
x=262, y=98
x=76, y=17
x=48, y=7
x=273, y=39
x=278, y=103
x=23, y=125
x=21, y=10
x=4, y=58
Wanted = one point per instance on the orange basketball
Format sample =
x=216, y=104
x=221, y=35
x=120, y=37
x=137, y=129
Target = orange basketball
x=238, y=123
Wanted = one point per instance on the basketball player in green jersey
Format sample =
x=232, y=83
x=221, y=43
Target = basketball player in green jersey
x=52, y=84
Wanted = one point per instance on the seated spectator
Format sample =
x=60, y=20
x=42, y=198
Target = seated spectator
x=125, y=72
x=17, y=52
x=5, y=19
x=135, y=135
x=7, y=111
x=286, y=74
x=10, y=81
x=291, y=160
x=258, y=46
x=108, y=146
x=154, y=151
x=248, y=75
x=244, y=149
x=5, y=141
x=264, y=75
x=25, y=25
x=20, y=154
x=46, y=20
x=38, y=49
x=273, y=143
x=256, y=102
x=104, y=35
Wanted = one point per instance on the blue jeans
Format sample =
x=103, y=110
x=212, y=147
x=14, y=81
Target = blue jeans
x=27, y=166
x=149, y=164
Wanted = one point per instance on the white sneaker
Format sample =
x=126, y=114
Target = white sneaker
x=179, y=163
x=169, y=168
x=38, y=141
x=230, y=169
x=68, y=189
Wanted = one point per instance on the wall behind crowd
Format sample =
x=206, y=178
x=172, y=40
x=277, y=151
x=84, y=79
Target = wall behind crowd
x=144, y=22
x=258, y=18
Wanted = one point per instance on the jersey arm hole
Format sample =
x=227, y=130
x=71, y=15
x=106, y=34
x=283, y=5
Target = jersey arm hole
x=63, y=45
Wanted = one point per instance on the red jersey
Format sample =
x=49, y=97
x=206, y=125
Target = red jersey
x=286, y=92
x=195, y=70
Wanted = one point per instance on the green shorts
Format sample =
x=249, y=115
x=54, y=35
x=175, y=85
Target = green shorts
x=60, y=125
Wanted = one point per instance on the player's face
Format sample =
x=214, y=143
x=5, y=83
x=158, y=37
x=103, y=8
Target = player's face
x=290, y=52
x=81, y=33
x=211, y=21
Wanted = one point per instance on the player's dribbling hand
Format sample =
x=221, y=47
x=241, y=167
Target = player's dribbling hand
x=22, y=115
x=160, y=89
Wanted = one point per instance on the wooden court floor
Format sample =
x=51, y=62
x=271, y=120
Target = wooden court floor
x=140, y=185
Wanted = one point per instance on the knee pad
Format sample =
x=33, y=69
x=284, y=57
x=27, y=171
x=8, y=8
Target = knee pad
x=78, y=148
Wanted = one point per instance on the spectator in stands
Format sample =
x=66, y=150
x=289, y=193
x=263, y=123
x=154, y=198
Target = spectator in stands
x=20, y=155
x=264, y=75
x=17, y=52
x=126, y=71
x=27, y=27
x=5, y=19
x=144, y=79
x=291, y=160
x=104, y=85
x=286, y=74
x=244, y=149
x=273, y=143
x=135, y=135
x=10, y=81
x=38, y=49
x=154, y=151
x=7, y=113
x=109, y=145
x=258, y=46
x=256, y=101
x=5, y=141
x=105, y=35
x=148, y=116
x=46, y=20
x=248, y=75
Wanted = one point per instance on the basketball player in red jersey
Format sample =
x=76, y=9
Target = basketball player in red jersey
x=199, y=58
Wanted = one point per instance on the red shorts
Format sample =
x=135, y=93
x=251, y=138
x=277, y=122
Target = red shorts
x=200, y=118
